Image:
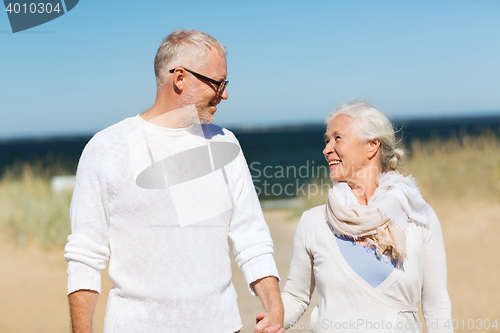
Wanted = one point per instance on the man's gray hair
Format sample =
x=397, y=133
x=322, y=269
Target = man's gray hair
x=371, y=124
x=186, y=48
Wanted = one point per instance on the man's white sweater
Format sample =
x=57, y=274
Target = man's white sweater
x=145, y=200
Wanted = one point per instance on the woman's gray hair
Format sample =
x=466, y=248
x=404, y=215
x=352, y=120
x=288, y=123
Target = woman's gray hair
x=184, y=48
x=371, y=124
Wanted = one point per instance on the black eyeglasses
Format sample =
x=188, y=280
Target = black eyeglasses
x=221, y=85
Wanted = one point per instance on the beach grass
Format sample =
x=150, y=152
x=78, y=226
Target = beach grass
x=31, y=211
x=457, y=169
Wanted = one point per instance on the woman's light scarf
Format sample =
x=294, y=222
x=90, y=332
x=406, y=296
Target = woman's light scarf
x=396, y=201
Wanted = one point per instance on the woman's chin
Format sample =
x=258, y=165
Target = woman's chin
x=336, y=177
x=337, y=180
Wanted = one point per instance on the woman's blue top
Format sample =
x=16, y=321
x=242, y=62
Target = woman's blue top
x=364, y=261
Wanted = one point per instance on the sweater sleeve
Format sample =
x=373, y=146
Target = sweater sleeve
x=300, y=284
x=251, y=240
x=436, y=306
x=87, y=249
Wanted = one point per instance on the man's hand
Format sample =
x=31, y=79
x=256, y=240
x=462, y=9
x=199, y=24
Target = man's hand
x=269, y=329
x=81, y=306
x=268, y=291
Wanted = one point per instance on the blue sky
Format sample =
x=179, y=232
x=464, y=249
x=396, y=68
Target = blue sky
x=288, y=62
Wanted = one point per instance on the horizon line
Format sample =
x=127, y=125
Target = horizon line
x=478, y=118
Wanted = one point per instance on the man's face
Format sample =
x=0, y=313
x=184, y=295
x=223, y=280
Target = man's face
x=205, y=93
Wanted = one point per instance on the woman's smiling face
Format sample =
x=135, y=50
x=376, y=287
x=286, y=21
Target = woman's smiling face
x=346, y=154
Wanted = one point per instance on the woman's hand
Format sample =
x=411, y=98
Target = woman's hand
x=260, y=325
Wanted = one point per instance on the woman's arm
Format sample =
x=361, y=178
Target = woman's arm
x=436, y=305
x=300, y=284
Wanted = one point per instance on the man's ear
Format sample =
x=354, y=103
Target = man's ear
x=178, y=79
x=373, y=148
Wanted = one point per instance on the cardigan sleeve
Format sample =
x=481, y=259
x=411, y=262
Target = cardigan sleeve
x=300, y=284
x=436, y=306
x=87, y=249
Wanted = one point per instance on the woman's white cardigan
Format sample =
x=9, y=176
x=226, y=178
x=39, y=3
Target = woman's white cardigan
x=347, y=303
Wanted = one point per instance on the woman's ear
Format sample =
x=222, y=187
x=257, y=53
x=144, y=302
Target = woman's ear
x=373, y=148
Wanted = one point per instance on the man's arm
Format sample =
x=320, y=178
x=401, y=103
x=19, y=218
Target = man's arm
x=268, y=290
x=81, y=306
x=87, y=249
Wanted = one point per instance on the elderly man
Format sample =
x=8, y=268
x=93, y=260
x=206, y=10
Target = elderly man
x=157, y=195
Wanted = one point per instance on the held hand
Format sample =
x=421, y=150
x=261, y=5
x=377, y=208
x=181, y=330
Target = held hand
x=272, y=321
x=263, y=322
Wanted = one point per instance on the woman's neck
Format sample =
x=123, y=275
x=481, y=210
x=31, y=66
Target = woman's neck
x=364, y=187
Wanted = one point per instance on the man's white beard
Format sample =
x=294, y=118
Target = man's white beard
x=204, y=116
x=185, y=115
x=196, y=113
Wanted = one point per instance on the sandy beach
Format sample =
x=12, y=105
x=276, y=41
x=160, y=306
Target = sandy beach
x=34, y=280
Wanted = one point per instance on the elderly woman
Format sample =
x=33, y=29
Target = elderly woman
x=375, y=250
